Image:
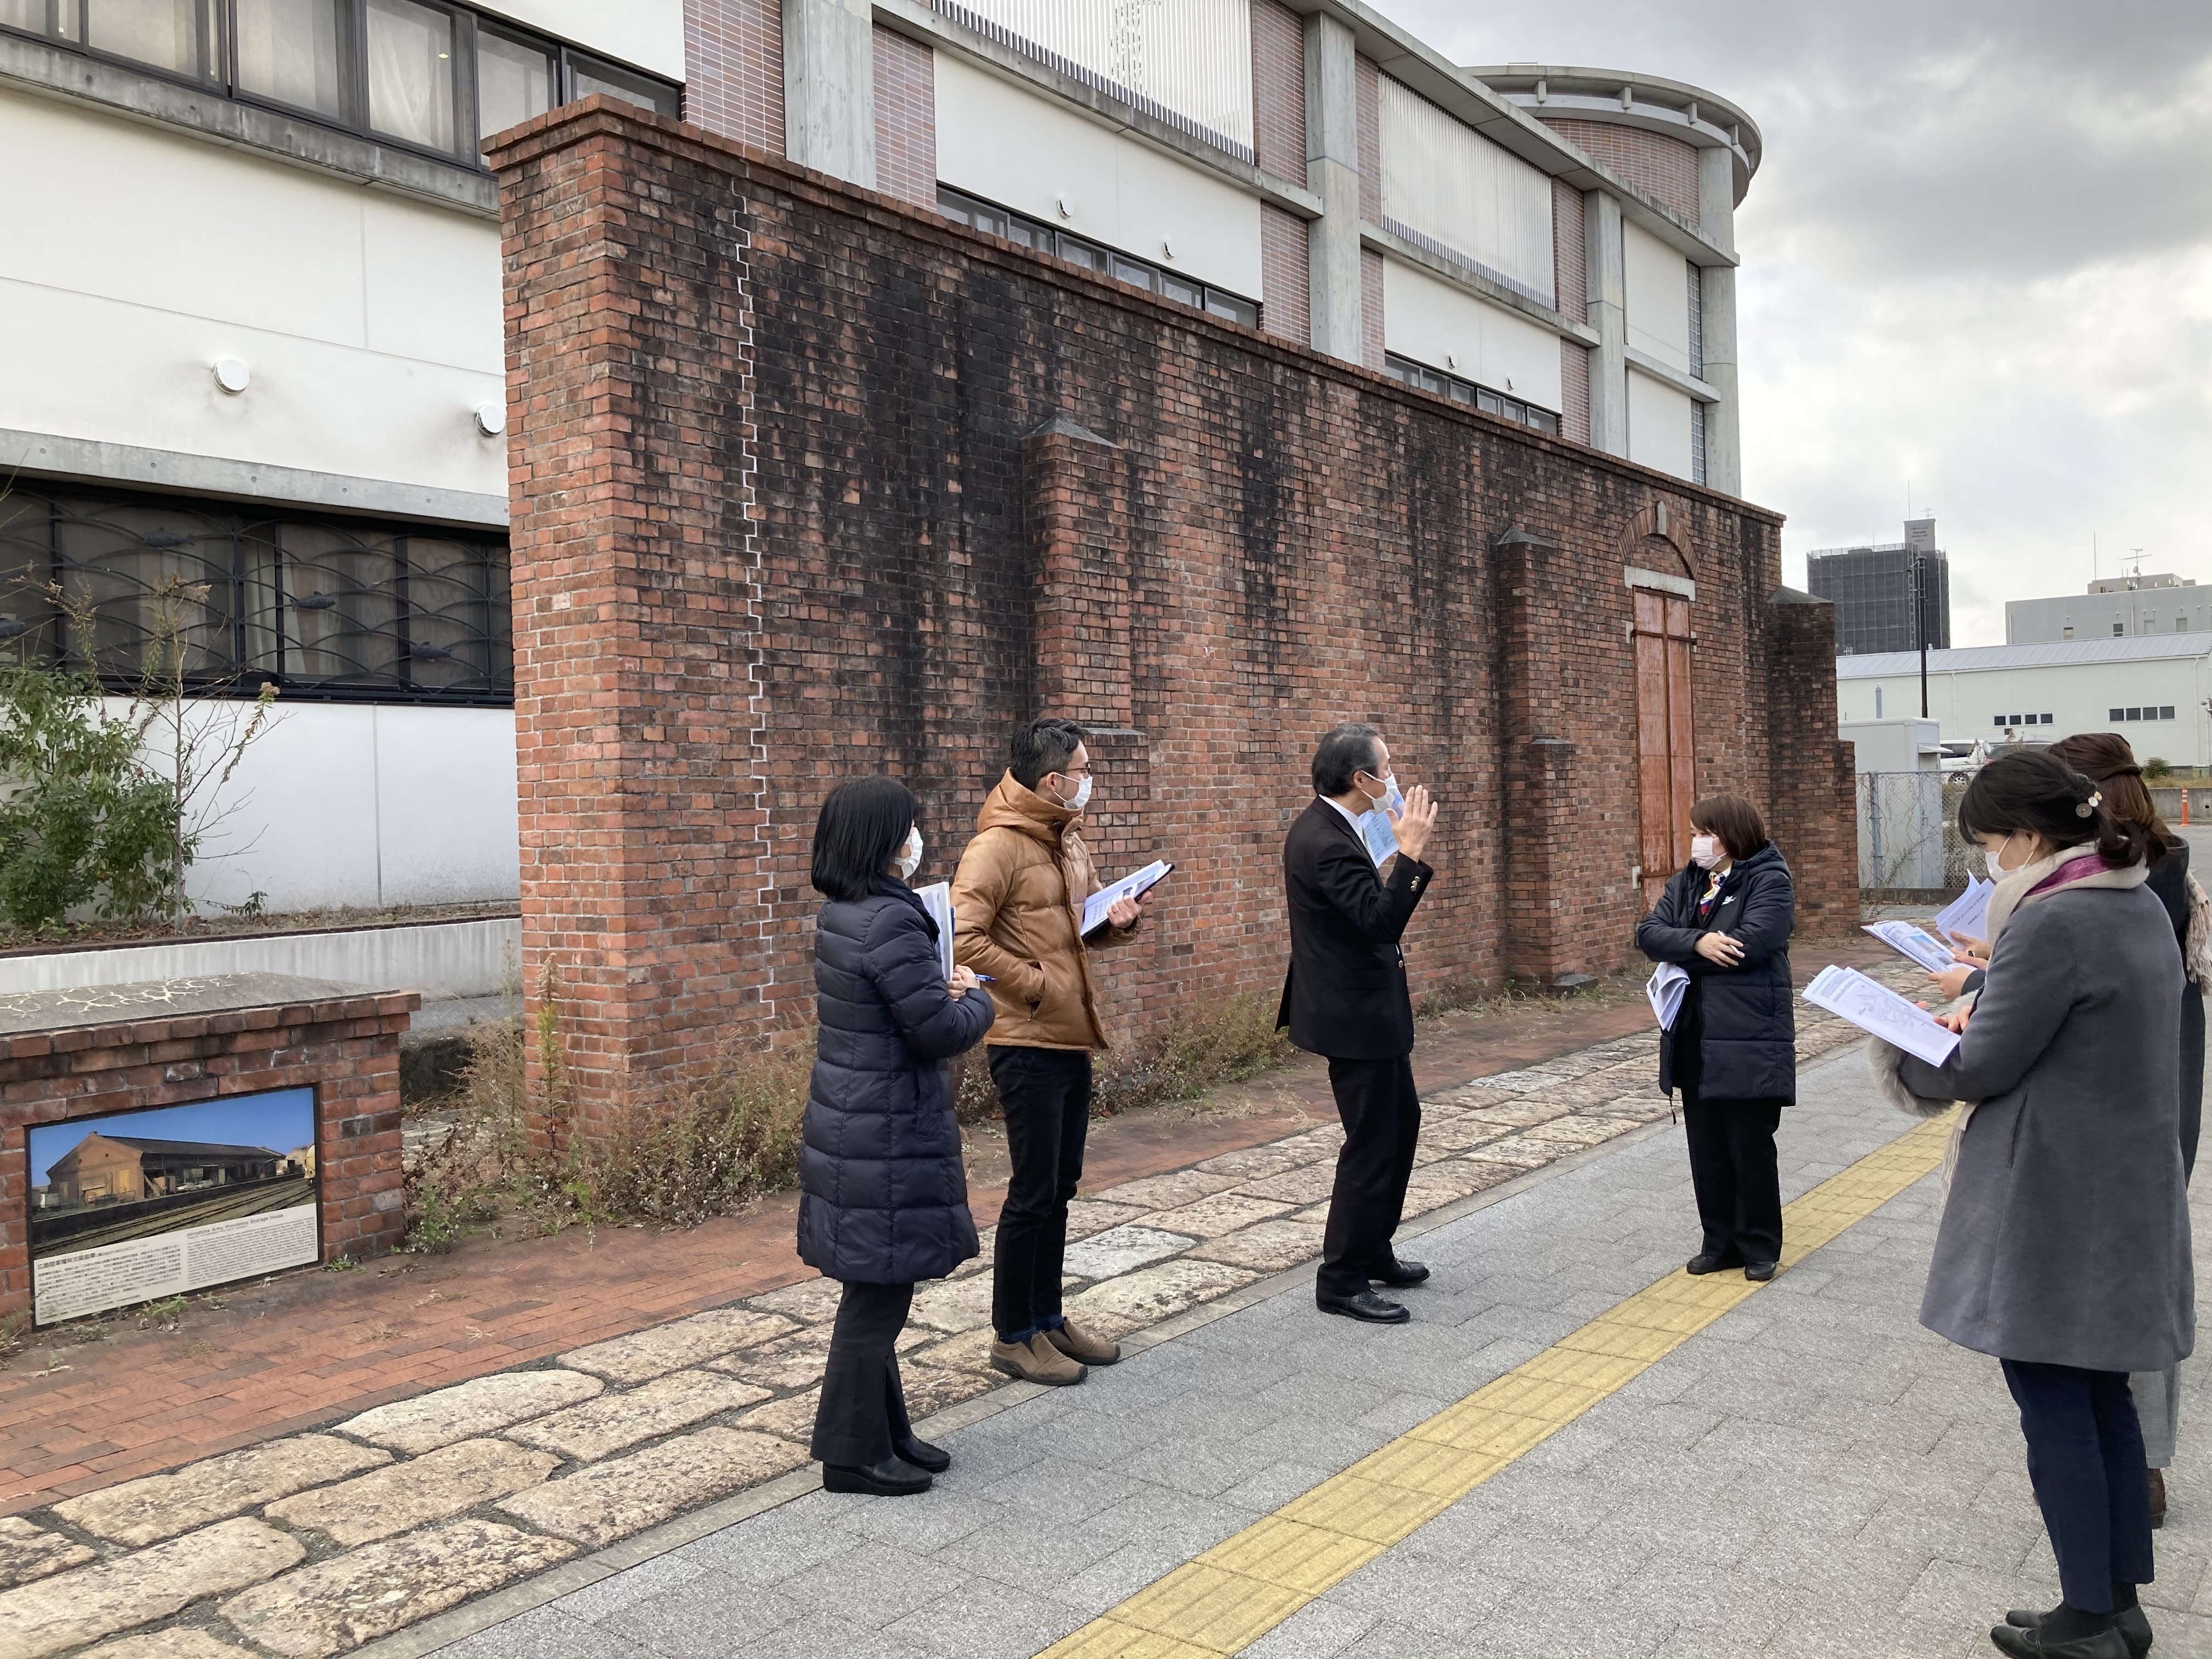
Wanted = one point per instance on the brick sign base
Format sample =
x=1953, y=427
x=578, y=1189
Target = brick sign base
x=67, y=1055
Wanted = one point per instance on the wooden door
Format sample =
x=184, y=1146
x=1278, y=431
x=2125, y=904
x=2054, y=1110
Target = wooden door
x=1665, y=768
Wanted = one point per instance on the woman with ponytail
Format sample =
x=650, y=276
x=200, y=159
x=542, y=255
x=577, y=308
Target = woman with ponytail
x=2105, y=759
x=2063, y=1249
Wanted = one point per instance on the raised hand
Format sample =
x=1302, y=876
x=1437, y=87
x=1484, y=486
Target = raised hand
x=1413, y=821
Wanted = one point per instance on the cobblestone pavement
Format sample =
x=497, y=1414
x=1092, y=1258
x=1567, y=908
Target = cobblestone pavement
x=1812, y=1473
x=320, y=1542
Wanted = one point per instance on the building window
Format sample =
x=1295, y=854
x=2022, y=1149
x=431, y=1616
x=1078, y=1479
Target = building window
x=2119, y=629
x=330, y=609
x=2166, y=711
x=2147, y=712
x=1697, y=321
x=1500, y=403
x=2067, y=632
x=2010, y=720
x=418, y=73
x=1107, y=262
x=1697, y=439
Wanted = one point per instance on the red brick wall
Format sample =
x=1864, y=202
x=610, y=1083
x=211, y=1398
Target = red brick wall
x=1279, y=90
x=1568, y=252
x=1285, y=278
x=1663, y=168
x=733, y=69
x=906, y=119
x=1254, y=542
x=347, y=1049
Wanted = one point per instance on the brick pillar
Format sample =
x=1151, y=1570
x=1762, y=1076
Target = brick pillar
x=1813, y=798
x=1536, y=761
x=1083, y=627
x=647, y=933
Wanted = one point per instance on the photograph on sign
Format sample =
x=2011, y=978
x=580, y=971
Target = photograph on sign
x=141, y=1205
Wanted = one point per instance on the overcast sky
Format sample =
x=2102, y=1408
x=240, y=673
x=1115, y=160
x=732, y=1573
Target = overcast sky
x=1977, y=256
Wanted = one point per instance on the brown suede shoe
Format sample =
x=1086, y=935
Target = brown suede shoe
x=1081, y=1346
x=1035, y=1361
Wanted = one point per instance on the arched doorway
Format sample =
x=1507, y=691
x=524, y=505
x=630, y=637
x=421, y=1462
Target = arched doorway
x=1663, y=588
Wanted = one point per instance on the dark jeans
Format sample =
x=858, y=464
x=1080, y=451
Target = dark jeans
x=1732, y=1168
x=1382, y=1118
x=863, y=1407
x=2085, y=1458
x=1046, y=1096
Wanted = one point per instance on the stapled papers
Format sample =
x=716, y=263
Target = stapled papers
x=1876, y=1008
x=1908, y=940
x=1666, y=986
x=1969, y=913
x=1132, y=886
x=937, y=899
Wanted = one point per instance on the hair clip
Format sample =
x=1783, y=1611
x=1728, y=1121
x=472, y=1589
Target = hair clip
x=2096, y=799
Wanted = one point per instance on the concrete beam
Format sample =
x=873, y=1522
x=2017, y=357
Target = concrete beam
x=829, y=87
x=1723, y=416
x=1332, y=174
x=1606, y=277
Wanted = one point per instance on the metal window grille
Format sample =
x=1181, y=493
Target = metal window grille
x=333, y=610
x=1450, y=190
x=996, y=221
x=1188, y=63
x=1697, y=318
x=422, y=74
x=1467, y=391
x=1697, y=443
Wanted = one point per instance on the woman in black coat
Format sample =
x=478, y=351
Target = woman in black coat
x=882, y=1196
x=1732, y=1049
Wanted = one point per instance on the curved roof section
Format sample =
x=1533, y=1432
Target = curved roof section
x=2043, y=653
x=1624, y=98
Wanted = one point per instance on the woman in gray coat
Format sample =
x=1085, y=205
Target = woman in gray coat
x=2064, y=1249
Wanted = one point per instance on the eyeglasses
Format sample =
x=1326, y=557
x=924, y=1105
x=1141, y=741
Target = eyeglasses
x=1078, y=772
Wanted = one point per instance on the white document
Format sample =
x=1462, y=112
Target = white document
x=937, y=899
x=1969, y=913
x=1132, y=886
x=1380, y=837
x=1667, y=987
x=1876, y=1008
x=1908, y=940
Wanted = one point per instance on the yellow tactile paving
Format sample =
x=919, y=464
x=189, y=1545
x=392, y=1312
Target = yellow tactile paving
x=1243, y=1587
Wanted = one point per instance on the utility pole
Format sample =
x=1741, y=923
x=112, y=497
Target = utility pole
x=1920, y=620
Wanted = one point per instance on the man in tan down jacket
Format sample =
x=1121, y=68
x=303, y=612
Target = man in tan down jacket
x=1018, y=915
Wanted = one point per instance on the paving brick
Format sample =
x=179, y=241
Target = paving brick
x=92, y=1602
x=614, y=1421
x=404, y=1496
x=27, y=1551
x=610, y=1500
x=164, y=1505
x=681, y=1342
x=482, y=1406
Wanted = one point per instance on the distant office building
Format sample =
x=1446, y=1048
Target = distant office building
x=1872, y=589
x=2118, y=607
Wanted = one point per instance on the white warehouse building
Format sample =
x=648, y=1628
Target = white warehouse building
x=2152, y=690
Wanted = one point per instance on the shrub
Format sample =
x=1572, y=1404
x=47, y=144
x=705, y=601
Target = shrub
x=2155, y=769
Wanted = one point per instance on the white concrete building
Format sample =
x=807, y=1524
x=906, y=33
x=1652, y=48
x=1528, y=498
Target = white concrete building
x=250, y=284
x=2152, y=690
x=2115, y=607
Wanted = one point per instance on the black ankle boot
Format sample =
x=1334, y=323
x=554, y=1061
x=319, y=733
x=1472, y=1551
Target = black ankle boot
x=922, y=1455
x=889, y=1478
x=2067, y=1633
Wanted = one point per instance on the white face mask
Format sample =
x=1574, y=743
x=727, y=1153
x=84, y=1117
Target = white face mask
x=1082, y=796
x=1391, y=799
x=1994, y=862
x=910, y=856
x=1705, y=851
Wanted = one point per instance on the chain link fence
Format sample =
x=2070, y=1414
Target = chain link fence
x=1908, y=844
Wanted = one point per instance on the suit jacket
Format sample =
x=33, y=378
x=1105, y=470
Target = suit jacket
x=1345, y=995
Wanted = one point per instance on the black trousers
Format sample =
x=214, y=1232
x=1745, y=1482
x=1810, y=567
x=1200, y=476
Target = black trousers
x=1732, y=1168
x=2085, y=1458
x=1046, y=1096
x=1382, y=1118
x=863, y=1407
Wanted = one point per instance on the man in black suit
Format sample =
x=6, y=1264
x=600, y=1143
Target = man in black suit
x=1346, y=998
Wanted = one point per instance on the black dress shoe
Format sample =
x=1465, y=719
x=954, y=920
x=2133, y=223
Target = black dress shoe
x=1759, y=1272
x=2132, y=1623
x=1375, y=1310
x=1712, y=1261
x=922, y=1455
x=2107, y=1643
x=889, y=1478
x=1399, y=1274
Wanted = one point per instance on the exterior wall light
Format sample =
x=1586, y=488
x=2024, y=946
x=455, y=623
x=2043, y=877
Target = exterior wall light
x=1066, y=207
x=232, y=375
x=491, y=419
x=1167, y=247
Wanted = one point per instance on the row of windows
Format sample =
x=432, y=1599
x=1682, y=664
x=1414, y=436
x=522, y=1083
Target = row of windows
x=331, y=608
x=1091, y=256
x=2022, y=720
x=2149, y=626
x=2163, y=711
x=1467, y=391
x=1696, y=438
x=419, y=73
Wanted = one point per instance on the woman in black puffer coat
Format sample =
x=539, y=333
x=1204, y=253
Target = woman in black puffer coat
x=882, y=1196
x=1732, y=1050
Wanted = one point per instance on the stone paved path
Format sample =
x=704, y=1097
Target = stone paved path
x=1813, y=1475
x=319, y=1542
